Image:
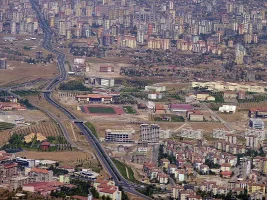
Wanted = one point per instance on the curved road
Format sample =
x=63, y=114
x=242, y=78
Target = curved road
x=101, y=154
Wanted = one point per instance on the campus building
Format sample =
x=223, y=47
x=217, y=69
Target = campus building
x=94, y=98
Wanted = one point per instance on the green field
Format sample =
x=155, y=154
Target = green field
x=122, y=169
x=102, y=110
x=5, y=126
x=26, y=92
x=92, y=128
x=129, y=110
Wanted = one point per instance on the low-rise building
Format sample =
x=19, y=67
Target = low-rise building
x=227, y=109
x=153, y=88
x=154, y=96
x=256, y=123
x=108, y=189
x=195, y=115
x=180, y=107
x=94, y=98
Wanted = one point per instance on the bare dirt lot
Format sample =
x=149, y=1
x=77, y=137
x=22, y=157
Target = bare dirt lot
x=68, y=157
x=4, y=136
x=22, y=72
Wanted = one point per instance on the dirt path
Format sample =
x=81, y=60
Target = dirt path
x=127, y=173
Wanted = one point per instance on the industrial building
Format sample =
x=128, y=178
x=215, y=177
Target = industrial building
x=180, y=107
x=94, y=98
x=121, y=136
x=256, y=123
x=149, y=133
x=98, y=81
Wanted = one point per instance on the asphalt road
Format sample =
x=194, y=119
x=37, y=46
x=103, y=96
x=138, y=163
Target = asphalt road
x=101, y=154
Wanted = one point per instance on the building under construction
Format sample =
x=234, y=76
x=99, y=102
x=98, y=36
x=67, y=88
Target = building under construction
x=221, y=133
x=190, y=133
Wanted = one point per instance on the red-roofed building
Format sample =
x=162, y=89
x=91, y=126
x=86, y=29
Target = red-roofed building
x=45, y=145
x=108, y=189
x=226, y=174
x=159, y=109
x=7, y=171
x=41, y=175
x=180, y=107
x=44, y=188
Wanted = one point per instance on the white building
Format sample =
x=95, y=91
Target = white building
x=227, y=109
x=153, y=88
x=154, y=96
x=98, y=81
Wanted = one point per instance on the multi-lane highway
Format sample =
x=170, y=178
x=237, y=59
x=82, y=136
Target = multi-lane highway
x=101, y=154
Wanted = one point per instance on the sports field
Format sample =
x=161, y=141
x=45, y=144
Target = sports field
x=101, y=110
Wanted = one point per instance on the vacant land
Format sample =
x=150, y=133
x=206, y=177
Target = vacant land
x=101, y=110
x=22, y=72
x=68, y=157
x=129, y=110
x=4, y=137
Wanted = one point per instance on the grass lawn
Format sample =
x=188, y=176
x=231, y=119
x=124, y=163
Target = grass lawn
x=129, y=109
x=26, y=92
x=122, y=169
x=103, y=110
x=92, y=128
x=4, y=126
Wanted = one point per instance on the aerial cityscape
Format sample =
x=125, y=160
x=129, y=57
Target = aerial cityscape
x=133, y=99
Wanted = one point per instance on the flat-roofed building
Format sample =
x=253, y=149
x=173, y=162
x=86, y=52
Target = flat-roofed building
x=256, y=123
x=99, y=81
x=94, y=98
x=155, y=88
x=121, y=136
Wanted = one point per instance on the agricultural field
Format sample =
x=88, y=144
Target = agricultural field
x=45, y=128
x=129, y=110
x=6, y=126
x=102, y=110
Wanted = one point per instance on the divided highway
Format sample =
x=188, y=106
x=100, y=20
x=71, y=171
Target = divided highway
x=101, y=154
